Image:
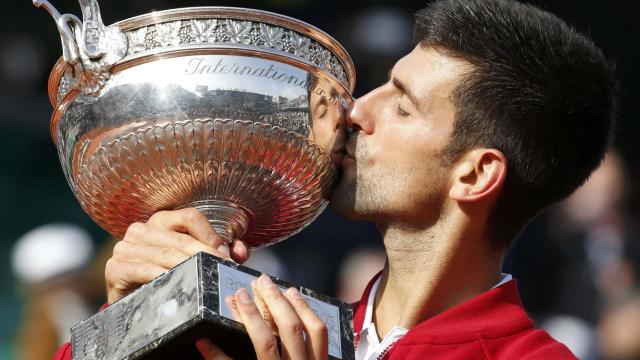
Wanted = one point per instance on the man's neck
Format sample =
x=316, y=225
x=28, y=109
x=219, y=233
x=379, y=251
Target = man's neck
x=430, y=271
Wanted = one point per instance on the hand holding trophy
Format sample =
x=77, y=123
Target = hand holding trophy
x=237, y=113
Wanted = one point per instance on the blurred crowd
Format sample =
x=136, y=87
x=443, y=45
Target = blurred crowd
x=577, y=264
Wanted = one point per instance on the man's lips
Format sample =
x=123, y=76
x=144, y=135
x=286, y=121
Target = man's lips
x=350, y=148
x=349, y=152
x=348, y=158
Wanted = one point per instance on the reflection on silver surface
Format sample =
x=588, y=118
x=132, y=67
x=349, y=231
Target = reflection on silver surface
x=249, y=132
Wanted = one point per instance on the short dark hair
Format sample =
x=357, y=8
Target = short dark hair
x=539, y=91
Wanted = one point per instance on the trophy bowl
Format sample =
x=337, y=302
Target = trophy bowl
x=239, y=113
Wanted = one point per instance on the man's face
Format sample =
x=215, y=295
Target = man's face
x=393, y=169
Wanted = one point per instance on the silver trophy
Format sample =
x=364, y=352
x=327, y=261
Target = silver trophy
x=239, y=113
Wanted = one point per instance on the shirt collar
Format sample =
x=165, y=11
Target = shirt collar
x=368, y=315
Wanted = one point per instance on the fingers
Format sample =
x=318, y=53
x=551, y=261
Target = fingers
x=149, y=249
x=302, y=334
x=263, y=308
x=264, y=342
x=233, y=306
x=294, y=316
x=210, y=351
x=192, y=222
x=123, y=276
x=317, y=333
x=288, y=323
x=166, y=257
x=147, y=234
x=239, y=251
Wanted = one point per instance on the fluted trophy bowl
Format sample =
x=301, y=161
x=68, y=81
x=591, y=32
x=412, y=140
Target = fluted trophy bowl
x=236, y=112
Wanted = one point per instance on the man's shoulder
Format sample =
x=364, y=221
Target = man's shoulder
x=491, y=326
x=530, y=344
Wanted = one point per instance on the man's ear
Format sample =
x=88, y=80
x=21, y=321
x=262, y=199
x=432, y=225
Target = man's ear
x=477, y=175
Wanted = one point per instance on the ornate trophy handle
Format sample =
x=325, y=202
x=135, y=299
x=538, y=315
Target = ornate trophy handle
x=89, y=48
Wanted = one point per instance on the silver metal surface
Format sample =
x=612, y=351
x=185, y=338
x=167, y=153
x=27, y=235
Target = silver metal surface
x=237, y=112
x=89, y=48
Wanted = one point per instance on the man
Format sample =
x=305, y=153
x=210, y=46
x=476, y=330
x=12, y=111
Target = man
x=499, y=111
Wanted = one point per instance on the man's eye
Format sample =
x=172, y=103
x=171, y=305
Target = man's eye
x=401, y=112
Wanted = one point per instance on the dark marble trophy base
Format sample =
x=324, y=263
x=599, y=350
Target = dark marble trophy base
x=164, y=318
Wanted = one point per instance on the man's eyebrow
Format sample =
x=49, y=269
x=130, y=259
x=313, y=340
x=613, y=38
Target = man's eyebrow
x=397, y=83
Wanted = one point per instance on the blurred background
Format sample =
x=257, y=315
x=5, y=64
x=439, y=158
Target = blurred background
x=577, y=263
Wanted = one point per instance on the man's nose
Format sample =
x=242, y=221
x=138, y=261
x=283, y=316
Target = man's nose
x=360, y=114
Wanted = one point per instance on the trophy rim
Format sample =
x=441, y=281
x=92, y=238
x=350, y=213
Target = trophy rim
x=262, y=16
x=213, y=12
